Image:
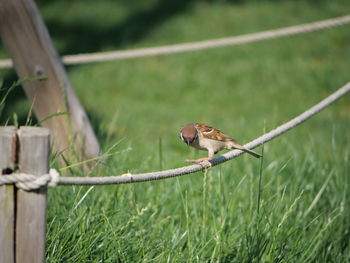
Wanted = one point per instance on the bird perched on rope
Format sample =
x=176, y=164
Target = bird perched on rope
x=209, y=139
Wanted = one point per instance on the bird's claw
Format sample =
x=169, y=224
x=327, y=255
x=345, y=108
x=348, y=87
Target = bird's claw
x=202, y=162
x=205, y=164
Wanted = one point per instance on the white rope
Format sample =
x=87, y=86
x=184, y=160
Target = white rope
x=194, y=46
x=133, y=178
x=31, y=182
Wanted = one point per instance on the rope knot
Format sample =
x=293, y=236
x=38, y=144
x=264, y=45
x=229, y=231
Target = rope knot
x=31, y=182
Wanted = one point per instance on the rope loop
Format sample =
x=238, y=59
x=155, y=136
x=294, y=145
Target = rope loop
x=30, y=182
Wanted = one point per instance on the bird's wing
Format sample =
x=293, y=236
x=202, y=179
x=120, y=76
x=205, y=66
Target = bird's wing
x=212, y=133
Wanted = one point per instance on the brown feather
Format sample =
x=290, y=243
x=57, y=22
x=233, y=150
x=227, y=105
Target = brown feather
x=212, y=133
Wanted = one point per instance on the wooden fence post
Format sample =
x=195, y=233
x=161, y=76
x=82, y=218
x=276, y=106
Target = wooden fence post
x=28, y=42
x=31, y=206
x=7, y=195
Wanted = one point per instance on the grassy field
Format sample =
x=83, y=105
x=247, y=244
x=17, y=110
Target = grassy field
x=291, y=206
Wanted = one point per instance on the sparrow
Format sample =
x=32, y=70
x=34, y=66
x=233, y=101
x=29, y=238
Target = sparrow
x=209, y=139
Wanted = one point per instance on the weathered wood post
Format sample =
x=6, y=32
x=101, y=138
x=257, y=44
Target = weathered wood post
x=7, y=195
x=22, y=232
x=28, y=42
x=33, y=156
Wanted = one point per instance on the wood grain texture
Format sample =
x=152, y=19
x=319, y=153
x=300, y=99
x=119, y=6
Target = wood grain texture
x=31, y=206
x=27, y=40
x=7, y=197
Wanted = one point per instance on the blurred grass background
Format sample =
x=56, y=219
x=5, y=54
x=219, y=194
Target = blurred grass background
x=137, y=107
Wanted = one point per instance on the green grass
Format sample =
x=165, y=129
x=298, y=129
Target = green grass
x=292, y=206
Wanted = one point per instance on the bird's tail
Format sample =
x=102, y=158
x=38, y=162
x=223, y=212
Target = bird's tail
x=240, y=147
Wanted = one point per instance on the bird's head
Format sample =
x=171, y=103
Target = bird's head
x=188, y=133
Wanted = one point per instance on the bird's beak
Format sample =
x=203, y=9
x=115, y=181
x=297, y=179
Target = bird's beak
x=188, y=141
